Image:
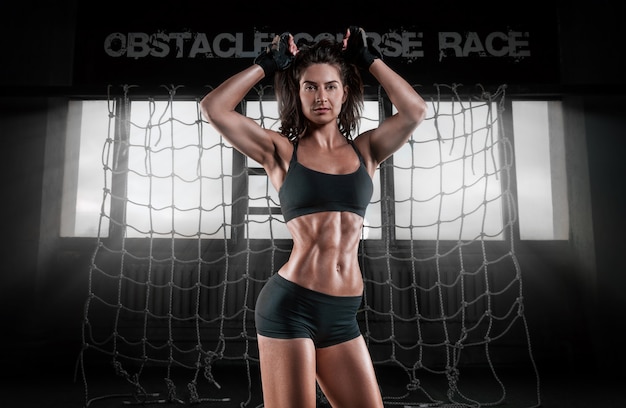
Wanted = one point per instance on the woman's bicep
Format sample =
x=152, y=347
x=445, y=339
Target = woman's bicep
x=389, y=137
x=245, y=135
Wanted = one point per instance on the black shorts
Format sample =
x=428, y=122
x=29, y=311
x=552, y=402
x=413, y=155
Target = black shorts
x=285, y=310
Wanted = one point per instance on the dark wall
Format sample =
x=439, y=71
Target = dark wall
x=606, y=128
x=574, y=308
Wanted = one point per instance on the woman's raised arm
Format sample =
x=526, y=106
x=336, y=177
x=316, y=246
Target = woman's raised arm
x=218, y=106
x=393, y=132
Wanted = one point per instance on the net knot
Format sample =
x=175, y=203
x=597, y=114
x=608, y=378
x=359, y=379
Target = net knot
x=413, y=385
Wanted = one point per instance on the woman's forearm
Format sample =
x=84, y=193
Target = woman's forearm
x=230, y=93
x=402, y=95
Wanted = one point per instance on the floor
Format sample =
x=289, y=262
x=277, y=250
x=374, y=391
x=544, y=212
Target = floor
x=106, y=390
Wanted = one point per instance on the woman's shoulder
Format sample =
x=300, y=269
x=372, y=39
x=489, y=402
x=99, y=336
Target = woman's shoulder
x=282, y=145
x=362, y=141
x=363, y=144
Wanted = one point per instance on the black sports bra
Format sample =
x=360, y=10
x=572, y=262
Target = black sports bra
x=306, y=191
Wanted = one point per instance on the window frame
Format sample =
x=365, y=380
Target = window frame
x=241, y=174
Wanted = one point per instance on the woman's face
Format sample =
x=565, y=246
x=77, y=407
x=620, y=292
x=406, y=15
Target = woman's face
x=322, y=93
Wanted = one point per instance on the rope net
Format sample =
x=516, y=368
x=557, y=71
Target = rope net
x=190, y=230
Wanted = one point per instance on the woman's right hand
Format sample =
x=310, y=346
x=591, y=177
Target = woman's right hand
x=278, y=55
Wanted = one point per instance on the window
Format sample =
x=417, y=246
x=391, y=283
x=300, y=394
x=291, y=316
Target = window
x=447, y=178
x=84, y=179
x=178, y=176
x=175, y=166
x=540, y=169
x=263, y=218
x=176, y=171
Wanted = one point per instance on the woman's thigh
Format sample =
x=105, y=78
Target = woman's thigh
x=287, y=372
x=346, y=375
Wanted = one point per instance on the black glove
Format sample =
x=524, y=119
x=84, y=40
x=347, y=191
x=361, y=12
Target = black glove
x=276, y=56
x=360, y=49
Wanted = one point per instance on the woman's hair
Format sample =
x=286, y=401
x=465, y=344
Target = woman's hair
x=287, y=86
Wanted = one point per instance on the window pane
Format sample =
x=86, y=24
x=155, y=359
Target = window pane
x=540, y=168
x=447, y=179
x=372, y=225
x=84, y=176
x=179, y=173
x=261, y=224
